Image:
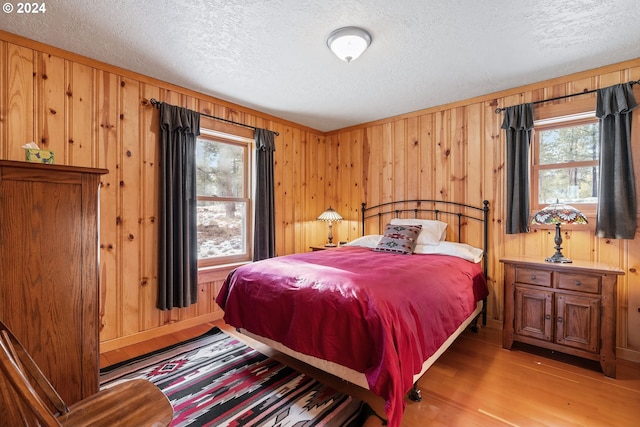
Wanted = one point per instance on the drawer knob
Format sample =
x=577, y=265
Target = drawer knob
x=547, y=317
x=578, y=283
x=533, y=277
x=559, y=319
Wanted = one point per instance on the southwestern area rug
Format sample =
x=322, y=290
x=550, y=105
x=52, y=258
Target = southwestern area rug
x=216, y=380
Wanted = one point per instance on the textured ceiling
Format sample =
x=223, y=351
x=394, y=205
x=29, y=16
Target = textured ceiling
x=271, y=55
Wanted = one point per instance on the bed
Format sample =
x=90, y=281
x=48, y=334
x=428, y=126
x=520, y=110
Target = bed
x=374, y=315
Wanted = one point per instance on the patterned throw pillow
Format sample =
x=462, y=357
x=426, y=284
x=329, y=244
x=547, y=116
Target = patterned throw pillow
x=399, y=239
x=433, y=231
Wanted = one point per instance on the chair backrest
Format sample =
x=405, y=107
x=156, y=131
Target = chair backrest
x=21, y=379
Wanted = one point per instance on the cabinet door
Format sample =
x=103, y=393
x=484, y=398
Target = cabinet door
x=49, y=270
x=533, y=313
x=578, y=322
x=43, y=292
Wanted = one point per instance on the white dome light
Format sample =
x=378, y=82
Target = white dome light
x=348, y=43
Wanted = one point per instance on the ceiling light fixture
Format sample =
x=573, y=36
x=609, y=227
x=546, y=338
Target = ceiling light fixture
x=348, y=43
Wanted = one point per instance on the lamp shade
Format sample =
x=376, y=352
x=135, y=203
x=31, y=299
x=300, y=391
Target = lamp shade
x=348, y=43
x=330, y=215
x=559, y=213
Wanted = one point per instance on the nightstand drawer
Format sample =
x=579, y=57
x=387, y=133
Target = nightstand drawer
x=578, y=282
x=533, y=276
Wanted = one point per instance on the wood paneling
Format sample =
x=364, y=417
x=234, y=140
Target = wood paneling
x=17, y=100
x=457, y=153
x=94, y=114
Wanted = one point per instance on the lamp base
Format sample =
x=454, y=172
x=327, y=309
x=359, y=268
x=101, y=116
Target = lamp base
x=558, y=257
x=330, y=245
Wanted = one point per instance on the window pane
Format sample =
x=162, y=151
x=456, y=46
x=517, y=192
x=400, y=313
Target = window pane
x=221, y=228
x=569, y=185
x=219, y=169
x=569, y=144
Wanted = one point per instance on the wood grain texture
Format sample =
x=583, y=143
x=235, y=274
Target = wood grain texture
x=136, y=402
x=478, y=383
x=450, y=152
x=95, y=115
x=568, y=308
x=462, y=156
x=48, y=259
x=29, y=398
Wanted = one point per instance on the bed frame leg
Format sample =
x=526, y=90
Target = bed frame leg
x=415, y=394
x=474, y=325
x=484, y=311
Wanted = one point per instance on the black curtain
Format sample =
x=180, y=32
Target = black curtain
x=178, y=262
x=518, y=123
x=617, y=208
x=264, y=241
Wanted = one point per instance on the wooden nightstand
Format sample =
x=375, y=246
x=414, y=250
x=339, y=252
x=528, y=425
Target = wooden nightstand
x=570, y=308
x=322, y=248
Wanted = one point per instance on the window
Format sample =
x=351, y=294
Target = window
x=223, y=171
x=566, y=151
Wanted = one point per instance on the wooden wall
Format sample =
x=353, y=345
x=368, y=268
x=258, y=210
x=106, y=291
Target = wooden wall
x=93, y=114
x=456, y=152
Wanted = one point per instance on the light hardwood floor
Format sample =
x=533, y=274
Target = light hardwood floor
x=478, y=383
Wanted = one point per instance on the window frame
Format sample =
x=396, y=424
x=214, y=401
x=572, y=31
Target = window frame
x=556, y=116
x=247, y=144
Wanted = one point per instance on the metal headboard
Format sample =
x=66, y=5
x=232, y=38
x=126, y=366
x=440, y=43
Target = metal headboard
x=437, y=208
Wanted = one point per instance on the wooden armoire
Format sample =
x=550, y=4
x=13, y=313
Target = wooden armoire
x=49, y=269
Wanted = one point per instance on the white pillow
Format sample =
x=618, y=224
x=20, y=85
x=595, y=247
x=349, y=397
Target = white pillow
x=460, y=250
x=433, y=232
x=368, y=241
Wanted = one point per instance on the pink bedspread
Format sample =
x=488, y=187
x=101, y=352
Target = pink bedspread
x=378, y=313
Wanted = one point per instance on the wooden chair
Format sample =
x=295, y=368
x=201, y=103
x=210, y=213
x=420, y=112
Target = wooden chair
x=29, y=398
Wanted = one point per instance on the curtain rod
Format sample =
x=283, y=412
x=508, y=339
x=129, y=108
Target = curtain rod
x=499, y=110
x=156, y=104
